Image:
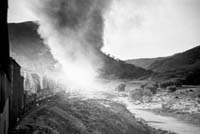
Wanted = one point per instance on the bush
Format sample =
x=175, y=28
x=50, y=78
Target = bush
x=121, y=88
x=153, y=87
x=166, y=107
x=141, y=95
x=136, y=95
x=172, y=88
x=143, y=85
x=165, y=84
x=147, y=92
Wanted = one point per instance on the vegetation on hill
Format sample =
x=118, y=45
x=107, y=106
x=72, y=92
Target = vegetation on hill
x=120, y=69
x=143, y=62
x=184, y=67
x=187, y=60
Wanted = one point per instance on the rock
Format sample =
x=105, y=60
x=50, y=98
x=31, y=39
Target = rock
x=191, y=90
x=176, y=97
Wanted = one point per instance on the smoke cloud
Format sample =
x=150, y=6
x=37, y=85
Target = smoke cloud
x=73, y=30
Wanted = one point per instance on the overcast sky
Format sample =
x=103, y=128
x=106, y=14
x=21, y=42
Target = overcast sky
x=141, y=28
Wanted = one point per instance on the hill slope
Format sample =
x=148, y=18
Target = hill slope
x=186, y=60
x=185, y=66
x=30, y=52
x=143, y=62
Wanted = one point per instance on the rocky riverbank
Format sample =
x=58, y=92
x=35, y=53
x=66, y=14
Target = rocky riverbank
x=183, y=104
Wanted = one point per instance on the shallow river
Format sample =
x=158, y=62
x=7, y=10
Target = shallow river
x=161, y=122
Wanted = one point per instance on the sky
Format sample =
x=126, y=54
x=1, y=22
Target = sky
x=140, y=28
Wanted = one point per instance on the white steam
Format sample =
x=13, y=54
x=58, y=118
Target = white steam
x=73, y=30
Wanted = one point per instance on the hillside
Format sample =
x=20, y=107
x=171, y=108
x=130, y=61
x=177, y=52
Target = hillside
x=185, y=66
x=31, y=53
x=143, y=62
x=120, y=69
x=185, y=60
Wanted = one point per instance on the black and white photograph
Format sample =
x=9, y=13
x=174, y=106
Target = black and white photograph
x=100, y=67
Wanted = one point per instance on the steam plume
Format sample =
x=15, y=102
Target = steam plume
x=73, y=31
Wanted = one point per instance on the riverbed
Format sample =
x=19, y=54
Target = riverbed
x=158, y=121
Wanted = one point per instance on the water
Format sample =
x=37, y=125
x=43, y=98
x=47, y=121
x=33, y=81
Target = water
x=157, y=121
x=161, y=122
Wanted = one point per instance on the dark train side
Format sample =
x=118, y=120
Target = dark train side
x=11, y=82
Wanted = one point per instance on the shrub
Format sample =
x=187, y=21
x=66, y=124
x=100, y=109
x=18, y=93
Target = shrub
x=166, y=107
x=121, y=88
x=143, y=85
x=165, y=84
x=147, y=92
x=171, y=88
x=174, y=82
x=136, y=94
x=153, y=87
